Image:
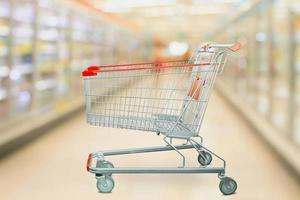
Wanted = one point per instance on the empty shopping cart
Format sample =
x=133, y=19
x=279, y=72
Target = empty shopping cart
x=167, y=98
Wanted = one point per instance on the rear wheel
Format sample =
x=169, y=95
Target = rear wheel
x=204, y=158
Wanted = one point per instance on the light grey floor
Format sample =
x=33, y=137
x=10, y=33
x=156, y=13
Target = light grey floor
x=53, y=166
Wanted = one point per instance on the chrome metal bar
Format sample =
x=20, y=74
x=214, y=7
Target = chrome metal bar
x=221, y=45
x=157, y=170
x=144, y=150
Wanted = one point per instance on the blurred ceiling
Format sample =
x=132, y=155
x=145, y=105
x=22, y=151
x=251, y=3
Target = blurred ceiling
x=170, y=19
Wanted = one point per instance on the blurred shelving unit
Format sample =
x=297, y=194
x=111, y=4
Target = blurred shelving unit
x=265, y=77
x=22, y=66
x=47, y=53
x=262, y=75
x=44, y=46
x=263, y=59
x=64, y=52
x=5, y=12
x=280, y=67
x=82, y=49
x=296, y=69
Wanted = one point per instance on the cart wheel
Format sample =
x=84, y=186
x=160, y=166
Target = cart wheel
x=204, y=158
x=227, y=185
x=104, y=164
x=105, y=184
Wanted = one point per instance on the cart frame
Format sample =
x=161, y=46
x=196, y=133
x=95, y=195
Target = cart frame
x=103, y=169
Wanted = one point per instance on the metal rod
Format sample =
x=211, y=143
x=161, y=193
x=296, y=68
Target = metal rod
x=144, y=150
x=177, y=150
x=156, y=170
x=221, y=45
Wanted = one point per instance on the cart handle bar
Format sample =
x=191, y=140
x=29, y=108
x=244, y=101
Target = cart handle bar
x=94, y=70
x=232, y=47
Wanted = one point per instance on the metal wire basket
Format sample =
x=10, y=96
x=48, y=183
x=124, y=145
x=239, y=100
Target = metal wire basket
x=163, y=97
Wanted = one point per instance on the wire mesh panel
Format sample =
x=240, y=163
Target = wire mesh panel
x=166, y=97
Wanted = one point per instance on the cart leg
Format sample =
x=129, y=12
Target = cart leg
x=196, y=145
x=204, y=157
x=170, y=144
x=207, y=150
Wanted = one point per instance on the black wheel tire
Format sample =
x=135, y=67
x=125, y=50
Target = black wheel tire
x=104, y=164
x=227, y=186
x=204, y=158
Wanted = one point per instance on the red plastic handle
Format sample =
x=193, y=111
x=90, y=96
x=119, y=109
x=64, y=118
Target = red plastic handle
x=94, y=70
x=237, y=46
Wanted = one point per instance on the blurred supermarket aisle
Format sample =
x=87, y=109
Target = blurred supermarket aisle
x=46, y=44
x=53, y=166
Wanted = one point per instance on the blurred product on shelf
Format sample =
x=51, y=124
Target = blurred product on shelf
x=45, y=44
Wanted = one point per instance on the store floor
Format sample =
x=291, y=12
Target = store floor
x=53, y=166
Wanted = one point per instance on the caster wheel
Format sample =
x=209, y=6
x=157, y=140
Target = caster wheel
x=204, y=158
x=105, y=184
x=227, y=186
x=104, y=164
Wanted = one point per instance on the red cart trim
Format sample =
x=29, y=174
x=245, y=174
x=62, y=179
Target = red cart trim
x=94, y=70
x=89, y=161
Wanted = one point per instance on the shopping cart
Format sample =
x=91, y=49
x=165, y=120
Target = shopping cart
x=168, y=98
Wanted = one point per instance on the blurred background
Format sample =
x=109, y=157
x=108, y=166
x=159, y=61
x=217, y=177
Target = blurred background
x=46, y=44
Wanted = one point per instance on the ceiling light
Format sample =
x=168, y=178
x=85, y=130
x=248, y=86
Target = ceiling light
x=178, y=48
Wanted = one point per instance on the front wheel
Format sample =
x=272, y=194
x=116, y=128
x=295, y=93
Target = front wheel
x=227, y=186
x=105, y=184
